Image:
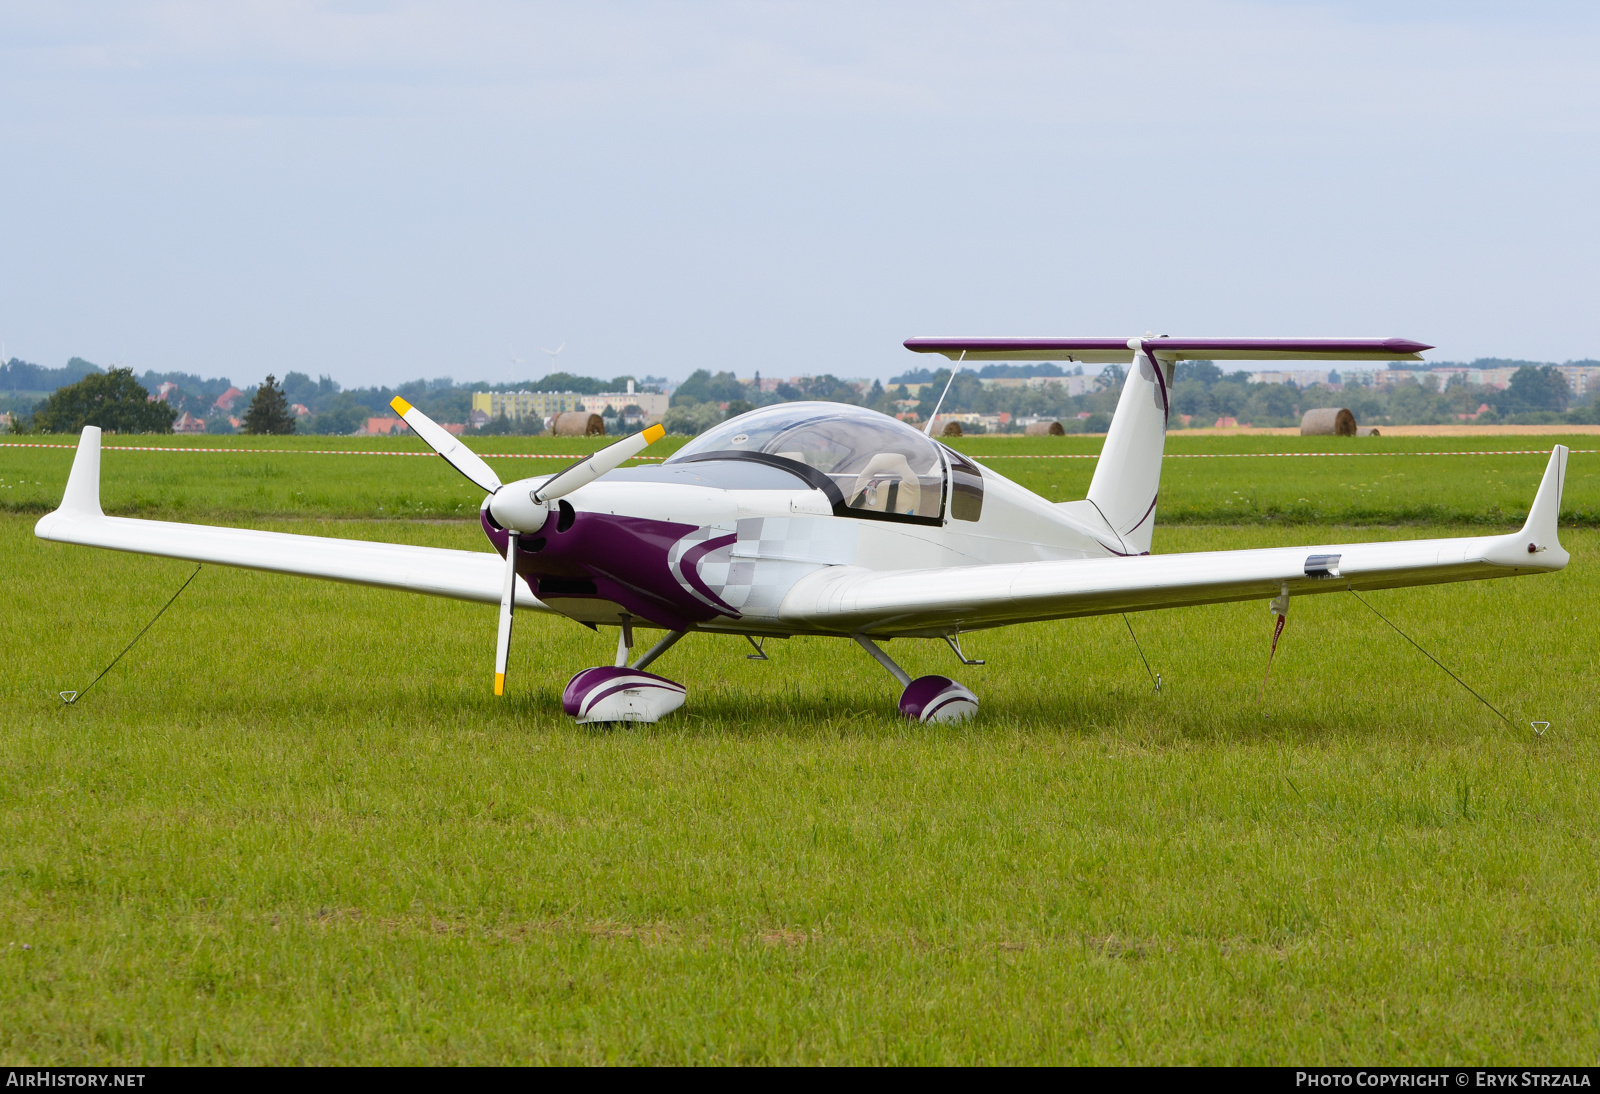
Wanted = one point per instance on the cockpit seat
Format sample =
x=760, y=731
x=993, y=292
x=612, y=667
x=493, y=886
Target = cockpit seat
x=887, y=485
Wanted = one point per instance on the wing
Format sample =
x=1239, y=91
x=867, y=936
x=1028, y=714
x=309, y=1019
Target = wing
x=460, y=575
x=851, y=600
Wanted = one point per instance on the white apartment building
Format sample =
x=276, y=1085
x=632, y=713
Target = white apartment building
x=517, y=405
x=1073, y=385
x=654, y=406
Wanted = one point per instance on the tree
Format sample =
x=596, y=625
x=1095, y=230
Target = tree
x=1110, y=378
x=1533, y=388
x=702, y=387
x=111, y=400
x=1205, y=372
x=691, y=419
x=340, y=415
x=269, y=410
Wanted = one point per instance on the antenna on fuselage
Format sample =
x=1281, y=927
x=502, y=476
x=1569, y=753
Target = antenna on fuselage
x=928, y=432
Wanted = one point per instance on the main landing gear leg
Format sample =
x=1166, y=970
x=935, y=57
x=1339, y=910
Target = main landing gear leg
x=927, y=698
x=623, y=692
x=659, y=648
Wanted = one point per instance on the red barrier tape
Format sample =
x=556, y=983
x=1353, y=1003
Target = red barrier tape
x=999, y=456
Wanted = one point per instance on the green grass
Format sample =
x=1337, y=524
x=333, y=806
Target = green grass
x=294, y=826
x=1374, y=480
x=1368, y=488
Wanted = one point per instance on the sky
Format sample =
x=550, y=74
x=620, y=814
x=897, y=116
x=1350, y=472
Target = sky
x=386, y=191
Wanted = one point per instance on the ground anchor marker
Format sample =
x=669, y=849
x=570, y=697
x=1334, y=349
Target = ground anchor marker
x=71, y=697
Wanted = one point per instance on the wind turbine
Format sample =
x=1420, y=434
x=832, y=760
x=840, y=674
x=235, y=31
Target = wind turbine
x=554, y=353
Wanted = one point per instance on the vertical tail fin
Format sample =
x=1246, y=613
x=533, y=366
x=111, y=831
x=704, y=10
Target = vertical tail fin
x=1128, y=476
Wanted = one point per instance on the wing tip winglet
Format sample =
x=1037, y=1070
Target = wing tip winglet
x=81, y=498
x=654, y=433
x=1538, y=545
x=401, y=407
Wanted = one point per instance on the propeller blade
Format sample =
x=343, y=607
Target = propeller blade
x=608, y=458
x=508, y=600
x=456, y=454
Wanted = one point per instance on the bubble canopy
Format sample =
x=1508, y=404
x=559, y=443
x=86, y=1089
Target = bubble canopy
x=870, y=464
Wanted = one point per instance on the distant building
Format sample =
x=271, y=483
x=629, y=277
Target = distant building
x=162, y=391
x=1297, y=377
x=382, y=427
x=1581, y=379
x=992, y=423
x=188, y=423
x=301, y=410
x=654, y=406
x=1072, y=385
x=1226, y=423
x=519, y=405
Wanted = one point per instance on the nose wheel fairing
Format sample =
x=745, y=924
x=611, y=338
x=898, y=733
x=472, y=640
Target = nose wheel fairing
x=608, y=694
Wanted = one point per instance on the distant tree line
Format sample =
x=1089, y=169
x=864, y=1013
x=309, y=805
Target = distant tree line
x=1201, y=392
x=26, y=390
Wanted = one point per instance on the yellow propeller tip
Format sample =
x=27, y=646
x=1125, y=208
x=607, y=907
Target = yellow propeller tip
x=499, y=683
x=401, y=407
x=654, y=434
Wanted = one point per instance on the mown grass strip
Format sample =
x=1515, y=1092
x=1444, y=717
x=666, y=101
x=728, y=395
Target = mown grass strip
x=294, y=826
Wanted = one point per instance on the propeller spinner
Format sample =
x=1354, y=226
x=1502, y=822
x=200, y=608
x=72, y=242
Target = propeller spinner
x=522, y=506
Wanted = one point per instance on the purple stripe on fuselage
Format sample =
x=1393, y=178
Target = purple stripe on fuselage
x=687, y=566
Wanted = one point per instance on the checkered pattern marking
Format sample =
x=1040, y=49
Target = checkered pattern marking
x=751, y=575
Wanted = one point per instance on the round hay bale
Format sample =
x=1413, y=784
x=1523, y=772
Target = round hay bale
x=1366, y=431
x=577, y=423
x=1328, y=421
x=951, y=429
x=1044, y=429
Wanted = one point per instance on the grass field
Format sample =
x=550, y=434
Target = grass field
x=1378, y=481
x=293, y=824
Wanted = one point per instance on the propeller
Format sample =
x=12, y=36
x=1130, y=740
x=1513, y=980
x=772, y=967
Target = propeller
x=442, y=441
x=519, y=507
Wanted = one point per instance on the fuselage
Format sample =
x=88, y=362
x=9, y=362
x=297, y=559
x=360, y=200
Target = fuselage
x=715, y=538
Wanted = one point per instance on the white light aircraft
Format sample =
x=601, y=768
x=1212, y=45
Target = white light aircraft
x=825, y=519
